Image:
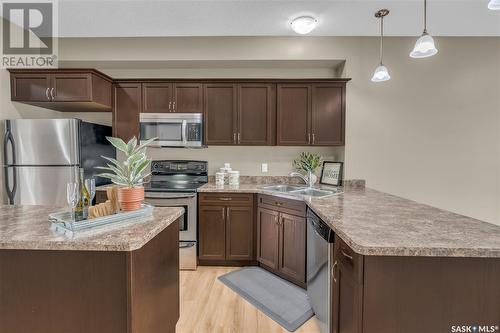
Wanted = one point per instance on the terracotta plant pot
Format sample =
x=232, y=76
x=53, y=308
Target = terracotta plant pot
x=130, y=198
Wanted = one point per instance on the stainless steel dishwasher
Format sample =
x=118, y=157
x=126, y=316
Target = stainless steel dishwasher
x=319, y=246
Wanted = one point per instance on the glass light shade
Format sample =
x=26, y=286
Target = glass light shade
x=304, y=24
x=424, y=47
x=381, y=74
x=494, y=5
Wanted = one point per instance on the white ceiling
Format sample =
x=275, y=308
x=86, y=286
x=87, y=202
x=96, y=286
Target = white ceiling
x=118, y=18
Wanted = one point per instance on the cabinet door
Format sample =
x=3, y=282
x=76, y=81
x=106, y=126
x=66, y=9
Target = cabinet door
x=126, y=108
x=220, y=114
x=30, y=87
x=157, y=97
x=212, y=232
x=256, y=114
x=292, y=261
x=239, y=233
x=327, y=118
x=346, y=295
x=188, y=98
x=293, y=113
x=68, y=87
x=268, y=237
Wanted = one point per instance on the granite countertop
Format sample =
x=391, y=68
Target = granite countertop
x=377, y=223
x=28, y=228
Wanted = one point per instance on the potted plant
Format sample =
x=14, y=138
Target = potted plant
x=307, y=163
x=129, y=174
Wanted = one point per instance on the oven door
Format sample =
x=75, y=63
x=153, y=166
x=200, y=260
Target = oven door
x=172, y=130
x=187, y=226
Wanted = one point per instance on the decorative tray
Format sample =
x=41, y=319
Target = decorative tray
x=62, y=220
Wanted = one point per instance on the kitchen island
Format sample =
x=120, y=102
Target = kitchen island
x=112, y=279
x=397, y=265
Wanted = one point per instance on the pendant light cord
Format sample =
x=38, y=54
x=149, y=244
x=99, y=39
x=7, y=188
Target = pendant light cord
x=381, y=38
x=425, y=16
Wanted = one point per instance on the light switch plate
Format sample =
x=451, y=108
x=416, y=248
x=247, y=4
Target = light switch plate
x=263, y=167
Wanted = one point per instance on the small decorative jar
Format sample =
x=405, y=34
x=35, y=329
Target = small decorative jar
x=219, y=178
x=234, y=178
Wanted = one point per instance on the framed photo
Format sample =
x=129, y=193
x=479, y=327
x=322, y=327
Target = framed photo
x=331, y=173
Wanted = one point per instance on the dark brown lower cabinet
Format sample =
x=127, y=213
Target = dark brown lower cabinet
x=226, y=230
x=281, y=238
x=92, y=291
x=373, y=294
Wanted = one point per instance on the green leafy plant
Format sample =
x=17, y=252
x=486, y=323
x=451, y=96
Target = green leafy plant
x=128, y=173
x=307, y=162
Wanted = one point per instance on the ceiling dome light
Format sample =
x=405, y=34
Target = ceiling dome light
x=304, y=24
x=424, y=47
x=494, y=5
x=381, y=72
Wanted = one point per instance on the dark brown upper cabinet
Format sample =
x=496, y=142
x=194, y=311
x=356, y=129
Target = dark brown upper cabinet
x=160, y=97
x=62, y=89
x=240, y=114
x=126, y=108
x=311, y=114
x=220, y=115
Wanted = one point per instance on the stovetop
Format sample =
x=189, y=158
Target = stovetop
x=177, y=176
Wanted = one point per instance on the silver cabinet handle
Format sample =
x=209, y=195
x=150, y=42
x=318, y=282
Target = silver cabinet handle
x=227, y=214
x=223, y=213
x=52, y=93
x=309, y=138
x=239, y=138
x=333, y=271
x=173, y=106
x=234, y=137
x=225, y=199
x=47, y=93
x=169, y=106
x=314, y=139
x=346, y=255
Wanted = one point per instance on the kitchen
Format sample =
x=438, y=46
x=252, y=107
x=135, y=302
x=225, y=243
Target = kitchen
x=412, y=136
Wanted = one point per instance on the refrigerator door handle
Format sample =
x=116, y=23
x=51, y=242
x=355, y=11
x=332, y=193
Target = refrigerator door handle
x=10, y=192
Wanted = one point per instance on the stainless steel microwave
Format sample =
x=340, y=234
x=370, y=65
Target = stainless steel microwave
x=172, y=129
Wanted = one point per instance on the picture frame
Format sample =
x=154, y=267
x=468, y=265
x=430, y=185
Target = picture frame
x=331, y=173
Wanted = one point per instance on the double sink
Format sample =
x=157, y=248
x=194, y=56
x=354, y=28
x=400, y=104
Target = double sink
x=300, y=190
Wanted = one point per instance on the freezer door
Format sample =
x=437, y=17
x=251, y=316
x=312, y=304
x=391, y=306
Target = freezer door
x=41, y=142
x=39, y=185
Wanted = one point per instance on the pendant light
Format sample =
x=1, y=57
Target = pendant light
x=424, y=47
x=494, y=5
x=381, y=73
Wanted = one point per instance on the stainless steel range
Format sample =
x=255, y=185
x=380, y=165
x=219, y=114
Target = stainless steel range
x=174, y=184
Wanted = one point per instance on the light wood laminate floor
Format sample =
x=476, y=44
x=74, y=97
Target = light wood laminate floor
x=207, y=306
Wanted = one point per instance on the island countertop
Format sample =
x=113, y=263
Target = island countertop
x=28, y=228
x=376, y=223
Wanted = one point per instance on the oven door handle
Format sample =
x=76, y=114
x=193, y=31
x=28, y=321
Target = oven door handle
x=184, y=132
x=180, y=196
x=185, y=245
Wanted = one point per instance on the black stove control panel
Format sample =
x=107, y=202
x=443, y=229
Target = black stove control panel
x=179, y=167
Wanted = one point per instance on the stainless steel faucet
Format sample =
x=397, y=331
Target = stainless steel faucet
x=307, y=179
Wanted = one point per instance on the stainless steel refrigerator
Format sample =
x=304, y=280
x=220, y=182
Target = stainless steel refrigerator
x=42, y=155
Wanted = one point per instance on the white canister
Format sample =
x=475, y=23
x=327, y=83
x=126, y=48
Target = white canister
x=234, y=178
x=219, y=178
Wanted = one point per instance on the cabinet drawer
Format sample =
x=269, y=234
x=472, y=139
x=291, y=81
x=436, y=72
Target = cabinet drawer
x=228, y=199
x=290, y=206
x=351, y=262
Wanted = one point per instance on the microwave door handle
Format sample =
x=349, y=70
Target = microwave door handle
x=184, y=132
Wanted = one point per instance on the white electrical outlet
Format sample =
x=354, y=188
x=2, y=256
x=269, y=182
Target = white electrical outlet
x=263, y=167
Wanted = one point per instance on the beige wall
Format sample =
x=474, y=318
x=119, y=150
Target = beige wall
x=431, y=134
